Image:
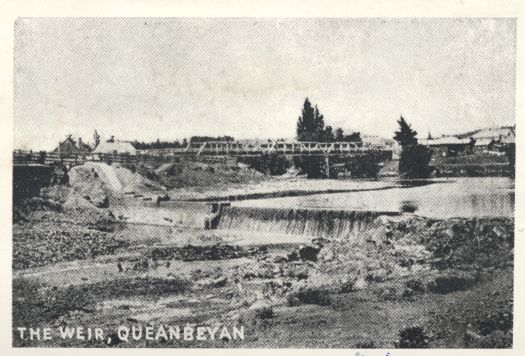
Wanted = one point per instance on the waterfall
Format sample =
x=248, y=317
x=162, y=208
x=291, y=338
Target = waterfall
x=304, y=222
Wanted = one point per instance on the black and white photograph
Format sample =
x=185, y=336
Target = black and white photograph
x=268, y=183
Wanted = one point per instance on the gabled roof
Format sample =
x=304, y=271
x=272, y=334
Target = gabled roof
x=69, y=145
x=484, y=141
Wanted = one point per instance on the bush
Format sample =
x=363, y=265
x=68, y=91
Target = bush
x=450, y=283
x=271, y=163
x=413, y=338
x=497, y=321
x=364, y=166
x=312, y=166
x=312, y=295
x=495, y=340
x=368, y=344
x=264, y=313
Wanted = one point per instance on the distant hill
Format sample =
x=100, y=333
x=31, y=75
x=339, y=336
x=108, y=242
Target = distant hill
x=489, y=132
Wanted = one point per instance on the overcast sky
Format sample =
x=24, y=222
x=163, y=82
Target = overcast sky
x=172, y=78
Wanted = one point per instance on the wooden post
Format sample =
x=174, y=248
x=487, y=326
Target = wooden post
x=327, y=165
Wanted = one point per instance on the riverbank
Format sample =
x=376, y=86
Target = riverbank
x=411, y=279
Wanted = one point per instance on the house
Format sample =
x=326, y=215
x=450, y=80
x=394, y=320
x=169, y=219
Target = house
x=113, y=146
x=494, y=132
x=70, y=147
x=484, y=144
x=447, y=146
x=491, y=139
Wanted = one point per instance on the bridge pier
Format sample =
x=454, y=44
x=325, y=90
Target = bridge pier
x=327, y=166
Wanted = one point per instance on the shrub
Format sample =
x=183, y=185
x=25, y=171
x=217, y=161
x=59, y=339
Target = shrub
x=450, y=283
x=264, y=313
x=412, y=338
x=311, y=295
x=366, y=344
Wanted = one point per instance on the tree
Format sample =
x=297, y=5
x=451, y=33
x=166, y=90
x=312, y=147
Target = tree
x=319, y=133
x=353, y=137
x=414, y=158
x=310, y=125
x=471, y=144
x=96, y=138
x=339, y=134
x=329, y=134
x=405, y=136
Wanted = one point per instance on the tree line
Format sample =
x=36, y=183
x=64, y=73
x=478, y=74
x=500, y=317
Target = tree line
x=414, y=158
x=158, y=144
x=311, y=127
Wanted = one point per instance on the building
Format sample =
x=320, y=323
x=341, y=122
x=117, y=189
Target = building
x=70, y=147
x=115, y=147
x=447, y=146
x=484, y=144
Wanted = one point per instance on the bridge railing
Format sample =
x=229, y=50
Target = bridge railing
x=240, y=148
x=43, y=157
x=198, y=149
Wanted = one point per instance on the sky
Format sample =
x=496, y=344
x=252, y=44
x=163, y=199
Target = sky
x=170, y=78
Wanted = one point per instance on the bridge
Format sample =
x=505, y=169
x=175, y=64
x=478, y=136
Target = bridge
x=205, y=149
x=292, y=148
x=31, y=169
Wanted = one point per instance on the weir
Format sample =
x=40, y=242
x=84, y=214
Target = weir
x=304, y=222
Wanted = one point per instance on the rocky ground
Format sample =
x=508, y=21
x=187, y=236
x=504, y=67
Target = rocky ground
x=405, y=282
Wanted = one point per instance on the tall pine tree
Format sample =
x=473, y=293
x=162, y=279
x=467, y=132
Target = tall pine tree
x=414, y=158
x=405, y=136
x=310, y=125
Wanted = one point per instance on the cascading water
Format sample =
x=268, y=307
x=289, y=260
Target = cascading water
x=304, y=222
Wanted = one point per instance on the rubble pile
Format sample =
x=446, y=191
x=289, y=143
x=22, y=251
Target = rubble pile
x=441, y=255
x=50, y=238
x=216, y=251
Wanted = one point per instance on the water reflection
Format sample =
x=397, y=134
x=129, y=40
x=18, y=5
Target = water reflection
x=438, y=198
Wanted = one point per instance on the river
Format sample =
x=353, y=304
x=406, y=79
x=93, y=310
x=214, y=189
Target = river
x=434, y=198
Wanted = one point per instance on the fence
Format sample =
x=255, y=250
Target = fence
x=50, y=158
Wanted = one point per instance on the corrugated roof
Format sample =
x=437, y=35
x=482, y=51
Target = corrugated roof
x=446, y=140
x=483, y=141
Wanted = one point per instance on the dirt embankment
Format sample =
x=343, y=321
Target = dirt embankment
x=102, y=184
x=225, y=172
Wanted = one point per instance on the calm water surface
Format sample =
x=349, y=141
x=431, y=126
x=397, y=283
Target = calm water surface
x=440, y=198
